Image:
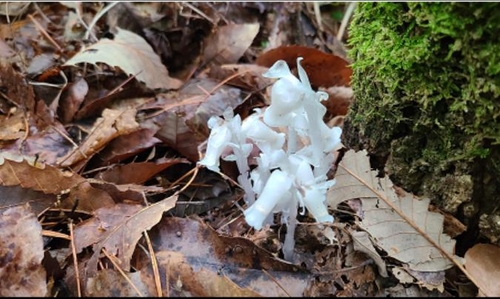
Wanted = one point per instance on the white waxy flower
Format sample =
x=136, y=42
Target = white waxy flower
x=266, y=139
x=275, y=189
x=314, y=199
x=219, y=138
x=287, y=95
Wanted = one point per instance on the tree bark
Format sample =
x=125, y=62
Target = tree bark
x=426, y=80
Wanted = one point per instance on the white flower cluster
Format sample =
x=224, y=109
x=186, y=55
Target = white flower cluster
x=285, y=176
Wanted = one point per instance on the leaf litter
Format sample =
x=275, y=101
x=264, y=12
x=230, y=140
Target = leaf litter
x=102, y=136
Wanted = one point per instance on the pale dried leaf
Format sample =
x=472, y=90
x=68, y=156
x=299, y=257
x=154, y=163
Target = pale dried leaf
x=393, y=228
x=21, y=254
x=430, y=280
x=482, y=262
x=402, y=275
x=112, y=124
x=118, y=229
x=133, y=55
x=361, y=241
x=229, y=43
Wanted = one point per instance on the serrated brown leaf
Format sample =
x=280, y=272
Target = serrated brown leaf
x=28, y=173
x=112, y=124
x=399, y=223
x=118, y=229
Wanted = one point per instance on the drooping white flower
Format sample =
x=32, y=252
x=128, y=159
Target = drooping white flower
x=220, y=136
x=274, y=191
x=284, y=178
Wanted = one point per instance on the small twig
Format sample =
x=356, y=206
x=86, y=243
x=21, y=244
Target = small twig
x=276, y=282
x=112, y=260
x=79, y=12
x=345, y=20
x=98, y=16
x=195, y=170
x=199, y=12
x=43, y=15
x=317, y=14
x=122, y=84
x=75, y=261
x=53, y=234
x=154, y=263
x=44, y=33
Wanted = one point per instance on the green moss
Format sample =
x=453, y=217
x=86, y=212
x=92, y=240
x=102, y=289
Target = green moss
x=427, y=87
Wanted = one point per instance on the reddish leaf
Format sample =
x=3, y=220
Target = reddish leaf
x=137, y=173
x=324, y=70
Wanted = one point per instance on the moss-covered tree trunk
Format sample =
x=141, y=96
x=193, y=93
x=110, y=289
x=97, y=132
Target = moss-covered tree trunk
x=427, y=102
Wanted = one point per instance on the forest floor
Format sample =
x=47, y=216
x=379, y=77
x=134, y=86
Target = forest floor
x=103, y=116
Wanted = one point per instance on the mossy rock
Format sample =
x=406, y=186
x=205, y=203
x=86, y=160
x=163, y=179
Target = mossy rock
x=426, y=79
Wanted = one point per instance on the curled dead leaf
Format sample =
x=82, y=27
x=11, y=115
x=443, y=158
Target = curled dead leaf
x=146, y=65
x=483, y=264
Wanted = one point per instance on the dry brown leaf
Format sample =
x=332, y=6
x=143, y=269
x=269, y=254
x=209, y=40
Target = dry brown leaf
x=118, y=229
x=483, y=263
x=28, y=173
x=229, y=43
x=131, y=193
x=12, y=127
x=11, y=196
x=183, y=125
x=14, y=87
x=129, y=145
x=21, y=254
x=396, y=228
x=187, y=281
x=133, y=55
x=110, y=283
x=72, y=100
x=112, y=124
x=137, y=173
x=201, y=251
